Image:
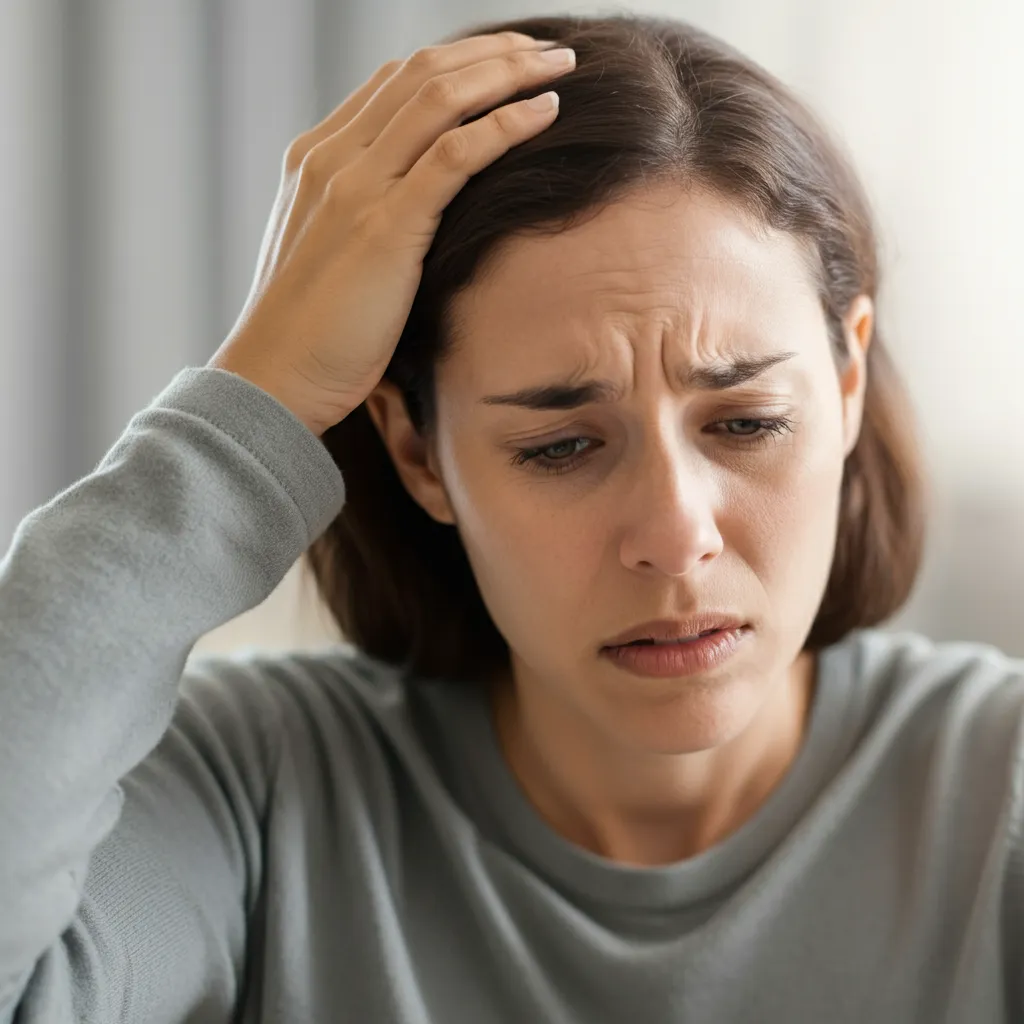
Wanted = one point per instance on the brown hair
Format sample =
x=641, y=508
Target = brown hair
x=650, y=100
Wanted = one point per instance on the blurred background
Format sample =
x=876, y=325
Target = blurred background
x=142, y=149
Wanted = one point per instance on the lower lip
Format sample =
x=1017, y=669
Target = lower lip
x=665, y=660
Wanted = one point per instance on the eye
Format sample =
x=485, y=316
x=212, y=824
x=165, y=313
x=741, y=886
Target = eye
x=564, y=455
x=756, y=431
x=746, y=427
x=561, y=459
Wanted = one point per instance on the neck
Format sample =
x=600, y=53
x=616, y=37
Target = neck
x=644, y=809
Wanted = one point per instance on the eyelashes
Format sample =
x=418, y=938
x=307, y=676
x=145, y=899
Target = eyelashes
x=538, y=460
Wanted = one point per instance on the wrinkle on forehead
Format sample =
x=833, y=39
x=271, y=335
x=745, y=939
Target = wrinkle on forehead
x=687, y=280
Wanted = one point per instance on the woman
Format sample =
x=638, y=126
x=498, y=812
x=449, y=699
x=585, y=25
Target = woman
x=607, y=477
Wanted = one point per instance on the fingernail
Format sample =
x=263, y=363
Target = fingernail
x=560, y=56
x=545, y=101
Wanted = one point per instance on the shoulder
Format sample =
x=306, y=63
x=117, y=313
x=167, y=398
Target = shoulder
x=261, y=702
x=902, y=670
x=905, y=651
x=944, y=715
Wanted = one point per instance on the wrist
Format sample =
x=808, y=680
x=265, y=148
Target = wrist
x=318, y=417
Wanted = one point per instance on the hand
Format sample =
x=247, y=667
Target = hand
x=360, y=200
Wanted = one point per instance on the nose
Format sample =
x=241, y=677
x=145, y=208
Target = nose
x=669, y=522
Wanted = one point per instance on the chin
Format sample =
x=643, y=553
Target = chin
x=685, y=715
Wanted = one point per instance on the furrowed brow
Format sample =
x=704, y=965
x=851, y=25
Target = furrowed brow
x=563, y=395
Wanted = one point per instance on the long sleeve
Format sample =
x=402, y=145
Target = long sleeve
x=193, y=517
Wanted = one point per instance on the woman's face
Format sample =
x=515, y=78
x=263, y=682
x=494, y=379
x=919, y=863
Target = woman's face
x=672, y=497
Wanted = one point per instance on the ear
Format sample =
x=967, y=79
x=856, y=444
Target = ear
x=413, y=455
x=858, y=327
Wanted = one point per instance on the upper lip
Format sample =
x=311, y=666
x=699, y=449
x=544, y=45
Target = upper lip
x=676, y=629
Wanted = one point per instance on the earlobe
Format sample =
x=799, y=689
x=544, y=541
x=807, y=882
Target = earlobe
x=410, y=452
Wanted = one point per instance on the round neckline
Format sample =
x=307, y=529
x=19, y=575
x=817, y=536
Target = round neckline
x=597, y=878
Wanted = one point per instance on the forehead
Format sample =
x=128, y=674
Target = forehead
x=686, y=267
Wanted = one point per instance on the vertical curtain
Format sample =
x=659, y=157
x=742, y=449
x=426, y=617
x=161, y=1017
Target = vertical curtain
x=142, y=146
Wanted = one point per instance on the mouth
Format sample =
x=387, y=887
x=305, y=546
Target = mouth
x=676, y=657
x=667, y=643
x=669, y=632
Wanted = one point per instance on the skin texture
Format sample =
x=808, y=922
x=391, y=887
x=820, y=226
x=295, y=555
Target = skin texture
x=668, y=511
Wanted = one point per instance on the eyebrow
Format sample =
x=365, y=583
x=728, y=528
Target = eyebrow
x=718, y=376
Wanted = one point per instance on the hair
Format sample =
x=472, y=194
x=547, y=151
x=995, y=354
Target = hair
x=650, y=100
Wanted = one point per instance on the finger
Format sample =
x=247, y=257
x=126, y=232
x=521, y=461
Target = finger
x=443, y=102
x=340, y=116
x=418, y=200
x=345, y=111
x=427, y=63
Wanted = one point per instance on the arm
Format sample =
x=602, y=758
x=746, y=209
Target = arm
x=127, y=845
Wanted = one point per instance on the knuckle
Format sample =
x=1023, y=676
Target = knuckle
x=521, y=63
x=424, y=61
x=514, y=38
x=439, y=91
x=506, y=120
x=336, y=189
x=389, y=67
x=313, y=168
x=296, y=152
x=452, y=150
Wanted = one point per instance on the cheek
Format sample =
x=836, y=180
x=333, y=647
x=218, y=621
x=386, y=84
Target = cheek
x=527, y=550
x=532, y=557
x=784, y=529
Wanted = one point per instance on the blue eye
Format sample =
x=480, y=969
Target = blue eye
x=562, y=456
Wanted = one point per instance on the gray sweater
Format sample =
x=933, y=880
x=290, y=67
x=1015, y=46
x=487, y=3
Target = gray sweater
x=312, y=837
